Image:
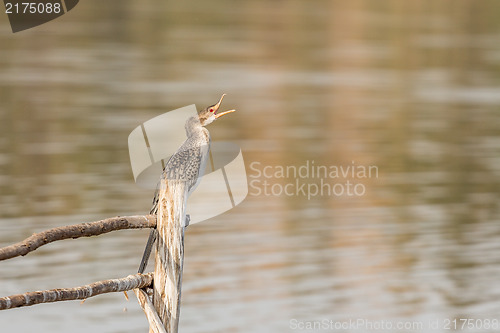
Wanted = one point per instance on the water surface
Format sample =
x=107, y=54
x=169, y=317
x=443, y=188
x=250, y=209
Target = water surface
x=412, y=88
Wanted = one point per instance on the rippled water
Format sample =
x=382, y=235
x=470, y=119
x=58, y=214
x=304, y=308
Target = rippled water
x=412, y=88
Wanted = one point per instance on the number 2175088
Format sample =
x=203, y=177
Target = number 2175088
x=33, y=8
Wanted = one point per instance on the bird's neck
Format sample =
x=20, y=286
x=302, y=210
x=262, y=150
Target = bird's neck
x=193, y=127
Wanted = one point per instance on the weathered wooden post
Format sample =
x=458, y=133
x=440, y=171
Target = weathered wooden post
x=169, y=257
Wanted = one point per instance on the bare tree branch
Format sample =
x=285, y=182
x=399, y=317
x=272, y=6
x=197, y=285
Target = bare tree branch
x=169, y=255
x=155, y=324
x=82, y=292
x=74, y=231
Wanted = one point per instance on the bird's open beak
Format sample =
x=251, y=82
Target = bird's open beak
x=216, y=107
x=223, y=113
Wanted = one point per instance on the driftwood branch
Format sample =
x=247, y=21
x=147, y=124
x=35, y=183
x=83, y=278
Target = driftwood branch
x=82, y=292
x=74, y=231
x=155, y=324
x=169, y=258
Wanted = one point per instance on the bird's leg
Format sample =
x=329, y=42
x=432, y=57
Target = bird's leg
x=186, y=221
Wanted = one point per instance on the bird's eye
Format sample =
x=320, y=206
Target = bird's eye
x=211, y=110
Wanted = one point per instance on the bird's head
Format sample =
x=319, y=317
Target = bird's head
x=211, y=113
